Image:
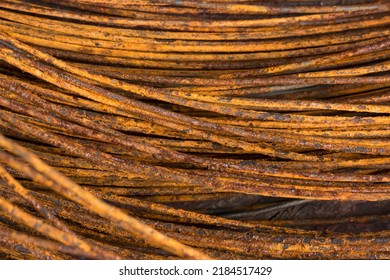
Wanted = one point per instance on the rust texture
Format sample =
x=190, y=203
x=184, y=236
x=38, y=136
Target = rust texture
x=213, y=129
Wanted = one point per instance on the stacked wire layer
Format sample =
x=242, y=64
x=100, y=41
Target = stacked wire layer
x=194, y=129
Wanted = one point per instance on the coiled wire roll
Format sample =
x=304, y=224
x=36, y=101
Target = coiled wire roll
x=194, y=129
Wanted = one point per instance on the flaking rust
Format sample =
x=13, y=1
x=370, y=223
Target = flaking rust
x=194, y=129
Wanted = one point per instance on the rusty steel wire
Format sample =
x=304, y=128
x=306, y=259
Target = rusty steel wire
x=206, y=129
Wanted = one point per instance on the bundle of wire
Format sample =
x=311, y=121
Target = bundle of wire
x=223, y=129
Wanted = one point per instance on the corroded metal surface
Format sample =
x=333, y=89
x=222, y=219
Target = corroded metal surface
x=194, y=129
